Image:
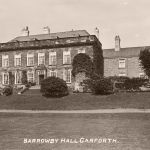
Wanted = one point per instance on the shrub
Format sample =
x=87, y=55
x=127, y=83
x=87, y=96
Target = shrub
x=8, y=90
x=54, y=87
x=99, y=85
x=134, y=83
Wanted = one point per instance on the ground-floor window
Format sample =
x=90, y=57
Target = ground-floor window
x=67, y=75
x=18, y=76
x=122, y=75
x=53, y=73
x=5, y=78
x=30, y=76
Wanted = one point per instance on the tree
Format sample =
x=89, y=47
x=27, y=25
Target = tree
x=82, y=63
x=145, y=61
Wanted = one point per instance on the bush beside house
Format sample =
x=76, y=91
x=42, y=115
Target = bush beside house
x=99, y=85
x=54, y=87
x=126, y=83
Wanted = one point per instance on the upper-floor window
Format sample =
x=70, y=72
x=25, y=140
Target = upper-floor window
x=5, y=78
x=122, y=63
x=41, y=58
x=52, y=58
x=18, y=76
x=17, y=60
x=5, y=61
x=81, y=51
x=30, y=59
x=67, y=75
x=66, y=57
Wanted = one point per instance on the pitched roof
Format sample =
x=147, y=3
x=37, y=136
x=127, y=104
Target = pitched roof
x=66, y=34
x=124, y=52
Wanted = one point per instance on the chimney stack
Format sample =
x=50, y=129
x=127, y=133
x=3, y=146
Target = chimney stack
x=96, y=32
x=46, y=30
x=117, y=43
x=25, y=31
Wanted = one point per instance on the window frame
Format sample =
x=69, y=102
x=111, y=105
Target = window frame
x=30, y=72
x=4, y=57
x=51, y=54
x=30, y=55
x=51, y=71
x=40, y=55
x=3, y=81
x=120, y=63
x=65, y=77
x=16, y=73
x=65, y=55
x=81, y=51
x=17, y=56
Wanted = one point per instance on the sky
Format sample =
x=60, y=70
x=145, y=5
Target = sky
x=130, y=19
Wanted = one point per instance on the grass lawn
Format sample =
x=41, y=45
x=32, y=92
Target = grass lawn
x=78, y=101
x=131, y=131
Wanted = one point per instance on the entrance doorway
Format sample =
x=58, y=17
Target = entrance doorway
x=41, y=78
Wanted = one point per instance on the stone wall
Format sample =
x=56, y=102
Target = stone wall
x=132, y=68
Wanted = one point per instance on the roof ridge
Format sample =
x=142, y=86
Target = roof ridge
x=72, y=33
x=126, y=47
x=54, y=33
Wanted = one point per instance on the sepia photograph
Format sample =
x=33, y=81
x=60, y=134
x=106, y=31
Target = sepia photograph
x=74, y=75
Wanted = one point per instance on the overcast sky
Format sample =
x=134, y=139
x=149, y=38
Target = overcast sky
x=128, y=18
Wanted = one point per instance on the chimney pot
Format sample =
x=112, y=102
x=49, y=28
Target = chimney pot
x=117, y=43
x=46, y=30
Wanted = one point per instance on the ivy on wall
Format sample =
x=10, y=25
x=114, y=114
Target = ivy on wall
x=82, y=63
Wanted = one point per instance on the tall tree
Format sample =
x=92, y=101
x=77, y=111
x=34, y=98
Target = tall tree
x=145, y=61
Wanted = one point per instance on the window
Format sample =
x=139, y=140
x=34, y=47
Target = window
x=5, y=61
x=53, y=73
x=30, y=76
x=5, y=78
x=30, y=59
x=67, y=75
x=18, y=60
x=41, y=58
x=122, y=74
x=66, y=57
x=81, y=51
x=52, y=58
x=122, y=62
x=18, y=76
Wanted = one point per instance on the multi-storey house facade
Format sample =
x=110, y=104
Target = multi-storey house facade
x=49, y=54
x=122, y=61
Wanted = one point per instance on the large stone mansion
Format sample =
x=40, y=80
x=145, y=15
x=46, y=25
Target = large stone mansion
x=47, y=54
x=51, y=54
